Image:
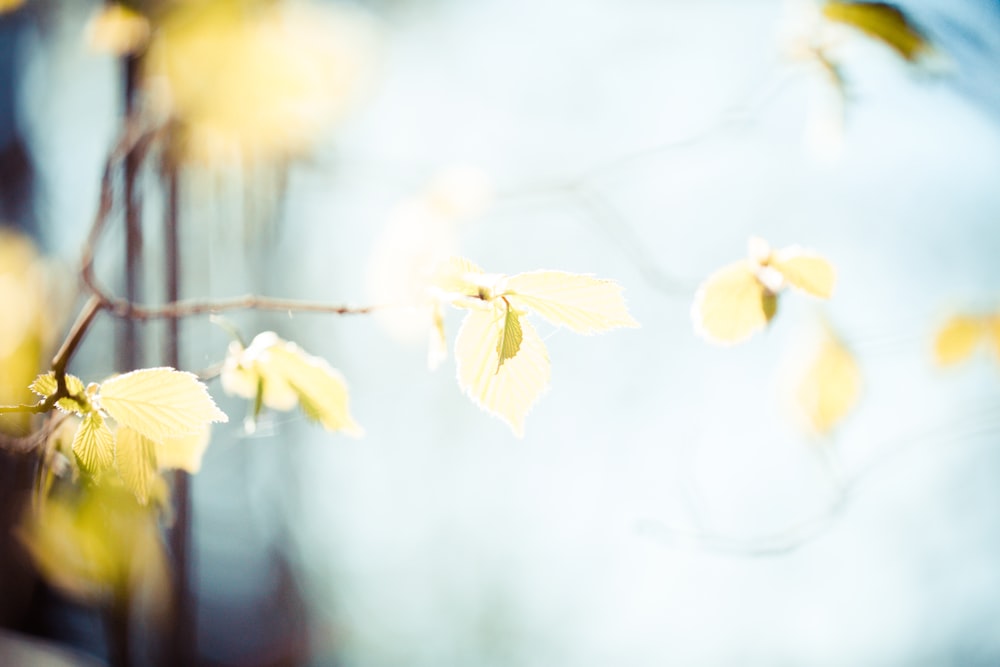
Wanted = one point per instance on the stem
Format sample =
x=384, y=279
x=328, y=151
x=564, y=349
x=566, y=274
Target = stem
x=128, y=352
x=182, y=647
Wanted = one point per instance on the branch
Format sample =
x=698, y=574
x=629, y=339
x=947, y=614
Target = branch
x=179, y=309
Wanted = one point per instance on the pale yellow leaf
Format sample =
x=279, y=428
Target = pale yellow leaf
x=135, y=455
x=159, y=402
x=511, y=391
x=183, y=452
x=321, y=390
x=581, y=303
x=457, y=276
x=245, y=371
x=45, y=385
x=94, y=443
x=731, y=305
x=289, y=377
x=830, y=387
x=805, y=271
x=957, y=339
x=883, y=22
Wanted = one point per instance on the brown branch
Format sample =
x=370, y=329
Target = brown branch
x=179, y=309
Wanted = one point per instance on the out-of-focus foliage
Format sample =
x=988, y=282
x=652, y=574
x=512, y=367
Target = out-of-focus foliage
x=157, y=411
x=281, y=375
x=961, y=334
x=27, y=322
x=830, y=385
x=742, y=298
x=502, y=362
x=256, y=80
x=883, y=22
x=422, y=232
x=9, y=5
x=97, y=545
x=117, y=29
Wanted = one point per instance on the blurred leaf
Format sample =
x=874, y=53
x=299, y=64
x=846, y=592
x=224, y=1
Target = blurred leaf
x=830, y=387
x=182, y=452
x=957, y=339
x=883, y=22
x=437, y=344
x=9, y=5
x=135, y=455
x=581, y=303
x=159, y=403
x=117, y=29
x=257, y=80
x=99, y=545
x=94, y=444
x=508, y=391
x=806, y=271
x=730, y=305
x=740, y=299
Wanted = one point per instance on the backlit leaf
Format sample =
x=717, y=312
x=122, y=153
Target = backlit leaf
x=94, y=443
x=289, y=376
x=511, y=391
x=511, y=336
x=159, y=403
x=883, y=22
x=732, y=304
x=45, y=385
x=457, y=276
x=322, y=391
x=135, y=455
x=806, y=271
x=957, y=339
x=830, y=387
x=581, y=303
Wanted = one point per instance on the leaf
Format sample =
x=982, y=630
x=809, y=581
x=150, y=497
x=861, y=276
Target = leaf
x=581, y=303
x=136, y=458
x=883, y=22
x=957, y=339
x=731, y=305
x=805, y=271
x=45, y=385
x=94, y=443
x=830, y=387
x=289, y=377
x=437, y=344
x=98, y=544
x=118, y=30
x=511, y=391
x=321, y=390
x=159, y=403
x=183, y=452
x=511, y=336
x=456, y=275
